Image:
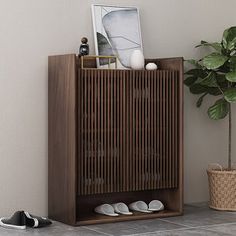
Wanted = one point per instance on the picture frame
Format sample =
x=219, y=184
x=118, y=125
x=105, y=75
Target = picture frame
x=117, y=32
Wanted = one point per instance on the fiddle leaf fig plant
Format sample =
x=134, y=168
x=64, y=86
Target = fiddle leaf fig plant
x=215, y=75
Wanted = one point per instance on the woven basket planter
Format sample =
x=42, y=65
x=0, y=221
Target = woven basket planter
x=222, y=188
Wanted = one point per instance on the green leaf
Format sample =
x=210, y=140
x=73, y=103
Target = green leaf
x=220, y=77
x=230, y=95
x=221, y=80
x=216, y=46
x=219, y=110
x=197, y=89
x=231, y=45
x=214, y=91
x=190, y=81
x=214, y=61
x=224, y=39
x=229, y=38
x=196, y=73
x=194, y=63
x=209, y=80
x=231, y=76
x=200, y=100
x=232, y=63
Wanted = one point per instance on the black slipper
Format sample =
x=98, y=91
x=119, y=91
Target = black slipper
x=16, y=221
x=36, y=221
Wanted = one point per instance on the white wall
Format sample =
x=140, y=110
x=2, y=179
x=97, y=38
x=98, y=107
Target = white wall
x=31, y=30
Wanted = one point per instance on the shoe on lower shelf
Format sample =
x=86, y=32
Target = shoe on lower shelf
x=139, y=206
x=105, y=209
x=155, y=205
x=121, y=208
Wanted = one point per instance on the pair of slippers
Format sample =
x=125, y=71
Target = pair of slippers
x=121, y=208
x=141, y=206
x=23, y=219
x=113, y=209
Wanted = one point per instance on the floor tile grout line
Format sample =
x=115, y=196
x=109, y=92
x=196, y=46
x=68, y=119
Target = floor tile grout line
x=214, y=231
x=199, y=226
x=215, y=225
x=170, y=230
x=206, y=227
x=97, y=231
x=153, y=232
x=164, y=220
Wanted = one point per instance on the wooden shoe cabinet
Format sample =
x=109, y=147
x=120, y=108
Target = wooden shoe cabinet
x=114, y=135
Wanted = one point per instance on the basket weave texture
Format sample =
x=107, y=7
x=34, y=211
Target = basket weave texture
x=222, y=189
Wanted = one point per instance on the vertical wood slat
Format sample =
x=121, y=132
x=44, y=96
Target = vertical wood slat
x=131, y=137
x=118, y=128
x=176, y=127
x=121, y=130
x=157, y=117
x=86, y=133
x=90, y=154
x=96, y=157
x=130, y=134
x=81, y=166
x=112, y=133
x=139, y=132
x=136, y=130
x=108, y=113
x=153, y=151
x=160, y=130
x=98, y=144
x=124, y=115
x=101, y=134
x=148, y=144
x=86, y=136
x=166, y=130
x=156, y=132
x=105, y=130
x=145, y=115
x=142, y=133
x=92, y=169
x=171, y=127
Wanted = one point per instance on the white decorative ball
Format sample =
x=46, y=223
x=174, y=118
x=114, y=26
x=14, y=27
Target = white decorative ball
x=151, y=66
x=137, y=60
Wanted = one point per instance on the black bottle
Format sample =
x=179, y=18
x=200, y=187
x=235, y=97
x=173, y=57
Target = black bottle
x=84, y=47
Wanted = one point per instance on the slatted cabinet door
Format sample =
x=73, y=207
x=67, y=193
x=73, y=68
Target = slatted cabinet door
x=129, y=130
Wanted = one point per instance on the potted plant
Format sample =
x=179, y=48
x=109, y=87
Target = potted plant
x=215, y=74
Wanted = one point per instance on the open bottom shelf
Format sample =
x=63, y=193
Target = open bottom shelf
x=100, y=219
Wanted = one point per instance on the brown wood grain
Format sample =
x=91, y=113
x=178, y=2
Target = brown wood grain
x=62, y=131
x=114, y=135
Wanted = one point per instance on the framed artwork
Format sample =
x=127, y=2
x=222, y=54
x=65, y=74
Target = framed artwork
x=117, y=32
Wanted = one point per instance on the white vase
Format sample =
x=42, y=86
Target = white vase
x=137, y=60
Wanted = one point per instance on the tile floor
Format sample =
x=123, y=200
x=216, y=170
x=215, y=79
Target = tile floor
x=197, y=220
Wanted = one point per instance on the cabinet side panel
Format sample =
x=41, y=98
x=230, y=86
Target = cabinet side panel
x=62, y=115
